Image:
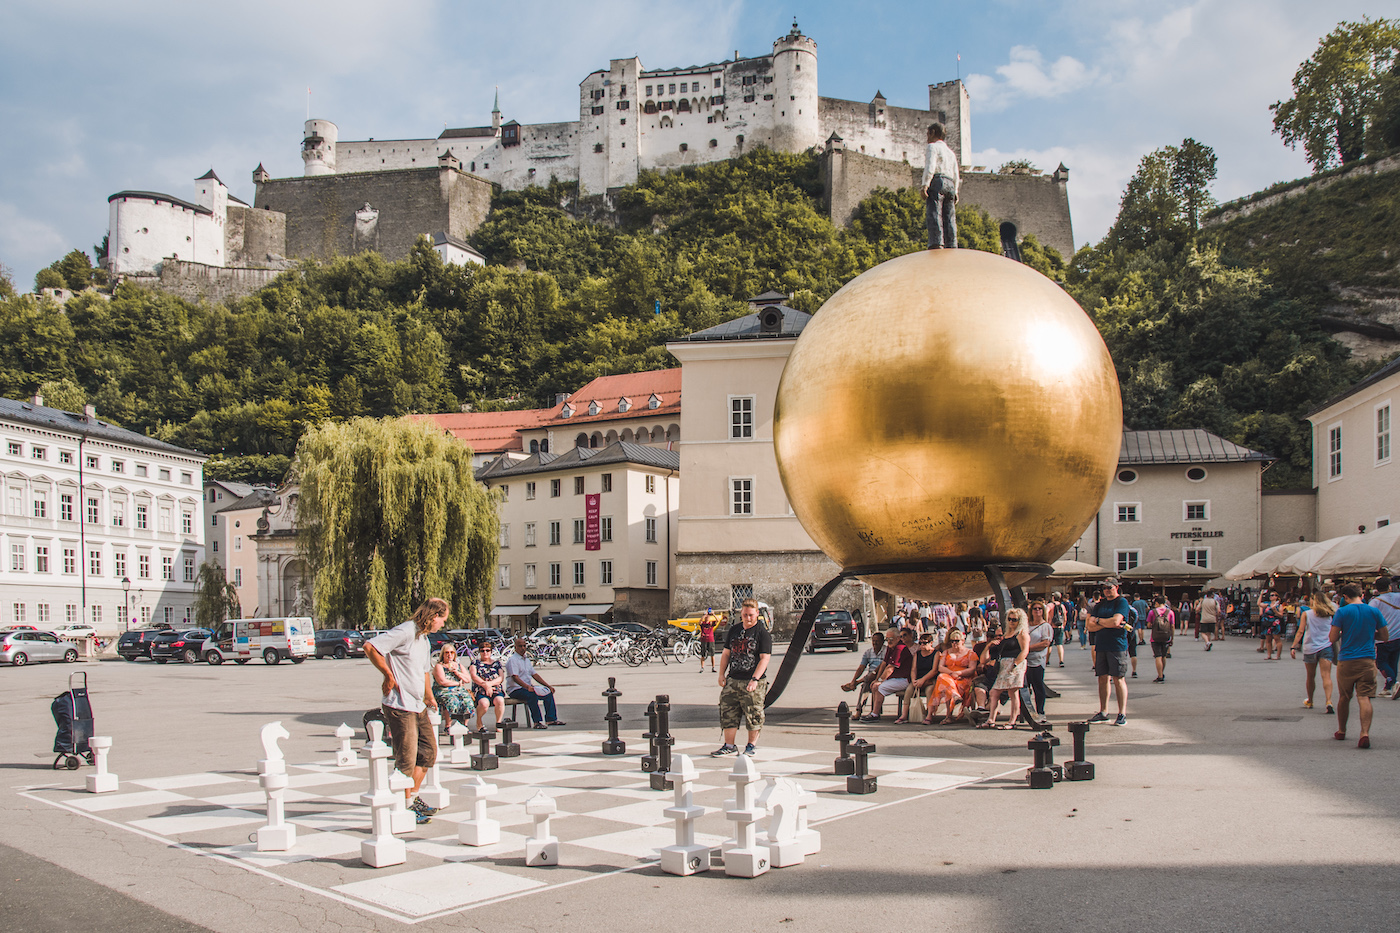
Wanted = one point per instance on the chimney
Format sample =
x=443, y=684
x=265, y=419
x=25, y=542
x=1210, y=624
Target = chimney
x=89, y=412
x=37, y=399
x=560, y=398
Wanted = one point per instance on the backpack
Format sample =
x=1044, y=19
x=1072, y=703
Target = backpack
x=1161, y=624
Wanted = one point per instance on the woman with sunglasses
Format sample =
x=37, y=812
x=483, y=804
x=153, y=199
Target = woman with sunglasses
x=450, y=686
x=954, y=683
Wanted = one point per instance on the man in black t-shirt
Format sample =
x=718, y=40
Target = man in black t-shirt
x=743, y=668
x=1110, y=628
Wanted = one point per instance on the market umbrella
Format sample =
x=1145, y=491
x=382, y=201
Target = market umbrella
x=1077, y=570
x=1306, y=560
x=1266, y=561
x=1366, y=553
x=1165, y=569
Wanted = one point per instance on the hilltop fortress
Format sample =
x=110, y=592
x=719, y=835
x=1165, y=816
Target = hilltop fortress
x=383, y=194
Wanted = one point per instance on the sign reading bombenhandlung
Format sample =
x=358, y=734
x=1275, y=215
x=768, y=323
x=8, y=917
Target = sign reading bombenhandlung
x=592, y=540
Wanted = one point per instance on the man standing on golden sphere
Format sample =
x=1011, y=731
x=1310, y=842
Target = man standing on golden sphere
x=940, y=190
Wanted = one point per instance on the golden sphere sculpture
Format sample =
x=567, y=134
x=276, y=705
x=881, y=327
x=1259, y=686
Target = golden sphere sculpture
x=950, y=405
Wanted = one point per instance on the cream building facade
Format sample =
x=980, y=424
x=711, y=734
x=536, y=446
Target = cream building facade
x=593, y=528
x=738, y=536
x=101, y=525
x=1354, y=469
x=1185, y=495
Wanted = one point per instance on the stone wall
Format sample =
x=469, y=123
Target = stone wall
x=326, y=216
x=1287, y=515
x=253, y=237
x=646, y=605
x=704, y=580
x=194, y=281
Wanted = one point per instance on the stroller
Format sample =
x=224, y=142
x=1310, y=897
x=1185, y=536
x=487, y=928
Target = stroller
x=72, y=713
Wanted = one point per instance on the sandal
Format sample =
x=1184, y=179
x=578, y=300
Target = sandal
x=947, y=721
x=1005, y=726
x=987, y=725
x=900, y=721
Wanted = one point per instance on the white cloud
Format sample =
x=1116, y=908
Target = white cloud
x=1026, y=76
x=26, y=244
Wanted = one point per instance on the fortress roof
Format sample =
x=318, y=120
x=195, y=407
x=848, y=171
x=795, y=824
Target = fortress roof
x=210, y=174
x=467, y=131
x=158, y=197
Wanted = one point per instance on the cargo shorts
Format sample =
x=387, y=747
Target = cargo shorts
x=736, y=701
x=413, y=737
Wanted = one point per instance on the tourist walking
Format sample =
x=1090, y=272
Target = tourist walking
x=1271, y=621
x=1059, y=621
x=707, y=625
x=1161, y=624
x=1108, y=622
x=1319, y=654
x=1208, y=611
x=1387, y=603
x=1356, y=628
x=743, y=679
x=940, y=189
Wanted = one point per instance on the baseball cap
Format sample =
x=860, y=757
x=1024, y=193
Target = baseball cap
x=1111, y=581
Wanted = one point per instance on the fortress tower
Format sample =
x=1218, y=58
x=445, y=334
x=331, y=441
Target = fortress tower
x=798, y=126
x=948, y=103
x=318, y=147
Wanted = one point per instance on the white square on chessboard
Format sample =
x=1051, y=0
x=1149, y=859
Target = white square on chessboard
x=582, y=738
x=923, y=780
x=535, y=776
x=331, y=765
x=640, y=843
x=255, y=798
x=309, y=846
x=825, y=808
x=774, y=768
x=816, y=784
x=320, y=779
x=358, y=818
x=142, y=798
x=520, y=793
x=542, y=761
x=880, y=763
x=198, y=822
x=510, y=814
x=442, y=887
x=647, y=813
x=449, y=849
x=562, y=748
x=181, y=781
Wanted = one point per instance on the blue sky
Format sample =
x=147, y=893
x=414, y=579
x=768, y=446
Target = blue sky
x=148, y=94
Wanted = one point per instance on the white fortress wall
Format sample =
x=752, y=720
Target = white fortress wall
x=143, y=229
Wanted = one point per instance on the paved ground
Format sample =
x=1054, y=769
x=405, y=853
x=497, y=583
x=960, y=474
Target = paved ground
x=1222, y=805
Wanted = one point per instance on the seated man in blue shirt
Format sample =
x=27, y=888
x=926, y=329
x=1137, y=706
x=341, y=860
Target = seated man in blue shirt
x=867, y=669
x=1356, y=628
x=1110, y=626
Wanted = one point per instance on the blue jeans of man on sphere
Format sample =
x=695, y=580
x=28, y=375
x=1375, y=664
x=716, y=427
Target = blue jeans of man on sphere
x=532, y=703
x=939, y=214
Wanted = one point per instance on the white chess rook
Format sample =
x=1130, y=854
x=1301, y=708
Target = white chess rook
x=745, y=858
x=432, y=792
x=381, y=849
x=780, y=799
x=461, y=753
x=103, y=780
x=542, y=848
x=685, y=857
x=401, y=817
x=345, y=755
x=480, y=830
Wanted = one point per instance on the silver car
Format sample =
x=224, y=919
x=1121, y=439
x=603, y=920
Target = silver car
x=20, y=647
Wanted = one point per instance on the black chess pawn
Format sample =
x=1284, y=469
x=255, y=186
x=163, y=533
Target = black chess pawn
x=483, y=760
x=613, y=745
x=1079, y=769
x=507, y=747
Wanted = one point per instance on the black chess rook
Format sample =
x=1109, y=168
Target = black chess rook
x=1079, y=769
x=613, y=745
x=844, y=763
x=661, y=778
x=507, y=747
x=1039, y=776
x=483, y=760
x=861, y=780
x=649, y=760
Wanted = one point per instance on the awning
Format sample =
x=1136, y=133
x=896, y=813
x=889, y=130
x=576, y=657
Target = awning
x=587, y=609
x=514, y=611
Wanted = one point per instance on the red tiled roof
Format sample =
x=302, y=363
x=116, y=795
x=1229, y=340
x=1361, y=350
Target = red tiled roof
x=489, y=432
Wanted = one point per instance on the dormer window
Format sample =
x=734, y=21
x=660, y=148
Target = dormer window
x=624, y=404
x=568, y=411
x=654, y=401
x=594, y=408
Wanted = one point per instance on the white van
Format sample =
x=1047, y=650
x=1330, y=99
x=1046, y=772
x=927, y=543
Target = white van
x=274, y=639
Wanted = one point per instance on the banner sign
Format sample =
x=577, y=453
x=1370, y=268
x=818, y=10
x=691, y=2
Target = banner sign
x=592, y=540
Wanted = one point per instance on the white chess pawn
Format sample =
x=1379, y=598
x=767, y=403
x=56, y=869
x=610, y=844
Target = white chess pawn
x=461, y=752
x=542, y=848
x=278, y=835
x=686, y=857
x=345, y=755
x=745, y=858
x=381, y=849
x=432, y=792
x=480, y=830
x=401, y=818
x=780, y=799
x=102, y=781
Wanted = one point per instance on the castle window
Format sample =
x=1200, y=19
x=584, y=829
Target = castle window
x=767, y=96
x=598, y=94
x=648, y=90
x=767, y=79
x=685, y=87
x=714, y=143
x=473, y=166
x=597, y=147
x=650, y=106
x=716, y=82
x=673, y=89
x=683, y=106
x=748, y=98
x=624, y=105
x=739, y=139
x=622, y=122
x=684, y=147
x=597, y=111
x=749, y=79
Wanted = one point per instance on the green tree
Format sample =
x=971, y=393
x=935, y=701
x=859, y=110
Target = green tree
x=215, y=598
x=1193, y=169
x=63, y=394
x=390, y=514
x=1015, y=165
x=1337, y=94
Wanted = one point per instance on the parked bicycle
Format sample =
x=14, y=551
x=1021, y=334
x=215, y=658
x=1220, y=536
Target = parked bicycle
x=644, y=649
x=600, y=650
x=687, y=646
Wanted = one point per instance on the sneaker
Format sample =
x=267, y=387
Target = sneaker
x=421, y=818
x=1134, y=673
x=1330, y=710
x=1158, y=680
x=1098, y=717
x=1307, y=704
x=723, y=750
x=418, y=806
x=1121, y=720
x=749, y=749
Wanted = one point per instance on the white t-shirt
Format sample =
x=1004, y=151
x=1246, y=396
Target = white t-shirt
x=409, y=660
x=1041, y=632
x=1388, y=605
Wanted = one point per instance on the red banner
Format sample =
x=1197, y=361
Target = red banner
x=592, y=539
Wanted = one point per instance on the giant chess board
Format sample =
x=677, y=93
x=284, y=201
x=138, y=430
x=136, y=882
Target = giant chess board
x=609, y=820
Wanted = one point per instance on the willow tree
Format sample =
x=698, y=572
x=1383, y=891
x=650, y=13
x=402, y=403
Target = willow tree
x=215, y=598
x=389, y=514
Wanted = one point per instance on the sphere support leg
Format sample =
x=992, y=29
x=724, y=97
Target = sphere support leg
x=799, y=638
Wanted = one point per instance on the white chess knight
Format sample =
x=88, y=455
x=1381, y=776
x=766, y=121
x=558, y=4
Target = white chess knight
x=783, y=799
x=461, y=752
x=432, y=792
x=542, y=848
x=480, y=830
x=272, y=761
x=381, y=849
x=103, y=781
x=344, y=755
x=743, y=856
x=686, y=857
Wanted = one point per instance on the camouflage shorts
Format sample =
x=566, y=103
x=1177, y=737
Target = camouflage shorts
x=736, y=701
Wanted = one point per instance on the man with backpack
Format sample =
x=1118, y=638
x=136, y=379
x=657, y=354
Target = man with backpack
x=1161, y=623
x=1387, y=603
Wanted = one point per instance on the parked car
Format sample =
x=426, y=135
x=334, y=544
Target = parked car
x=179, y=645
x=573, y=632
x=340, y=643
x=833, y=628
x=288, y=638
x=218, y=647
x=74, y=631
x=137, y=643
x=631, y=628
x=18, y=628
x=20, y=646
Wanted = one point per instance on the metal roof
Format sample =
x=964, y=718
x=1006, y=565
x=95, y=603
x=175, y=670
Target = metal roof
x=461, y=132
x=1186, y=446
x=157, y=196
x=56, y=419
x=619, y=452
x=260, y=498
x=749, y=328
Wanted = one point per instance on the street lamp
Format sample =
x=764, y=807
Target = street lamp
x=126, y=595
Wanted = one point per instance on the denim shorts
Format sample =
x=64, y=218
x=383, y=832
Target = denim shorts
x=1326, y=654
